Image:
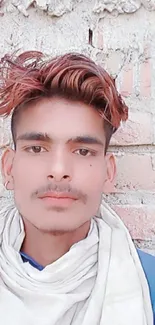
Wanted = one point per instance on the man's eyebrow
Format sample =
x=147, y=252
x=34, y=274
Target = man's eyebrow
x=36, y=136
x=86, y=140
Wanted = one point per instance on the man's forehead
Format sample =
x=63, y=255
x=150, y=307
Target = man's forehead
x=58, y=107
x=60, y=118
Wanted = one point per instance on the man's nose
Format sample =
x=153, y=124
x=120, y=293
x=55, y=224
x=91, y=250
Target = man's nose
x=60, y=168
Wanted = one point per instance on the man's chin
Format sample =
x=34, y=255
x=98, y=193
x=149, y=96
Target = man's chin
x=55, y=221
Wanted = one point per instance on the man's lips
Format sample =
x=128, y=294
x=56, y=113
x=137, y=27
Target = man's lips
x=58, y=196
x=59, y=200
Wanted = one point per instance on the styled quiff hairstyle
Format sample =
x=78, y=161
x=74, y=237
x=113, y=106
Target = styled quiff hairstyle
x=29, y=76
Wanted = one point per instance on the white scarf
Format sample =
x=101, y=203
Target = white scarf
x=100, y=280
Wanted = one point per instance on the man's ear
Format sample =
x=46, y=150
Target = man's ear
x=111, y=173
x=6, y=168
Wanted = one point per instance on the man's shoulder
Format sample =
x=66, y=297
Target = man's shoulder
x=148, y=264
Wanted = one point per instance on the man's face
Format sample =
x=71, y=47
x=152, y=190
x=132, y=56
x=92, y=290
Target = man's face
x=58, y=170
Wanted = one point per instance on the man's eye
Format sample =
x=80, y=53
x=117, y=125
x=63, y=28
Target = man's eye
x=83, y=152
x=35, y=149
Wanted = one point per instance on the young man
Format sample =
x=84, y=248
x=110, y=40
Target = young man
x=65, y=256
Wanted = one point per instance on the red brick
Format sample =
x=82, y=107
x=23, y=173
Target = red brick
x=127, y=80
x=145, y=79
x=113, y=62
x=138, y=130
x=140, y=220
x=100, y=42
x=135, y=172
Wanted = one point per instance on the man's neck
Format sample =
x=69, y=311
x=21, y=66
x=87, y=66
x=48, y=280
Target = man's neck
x=47, y=247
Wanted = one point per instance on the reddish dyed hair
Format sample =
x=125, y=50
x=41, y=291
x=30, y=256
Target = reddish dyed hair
x=30, y=76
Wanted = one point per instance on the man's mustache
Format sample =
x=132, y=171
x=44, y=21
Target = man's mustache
x=60, y=188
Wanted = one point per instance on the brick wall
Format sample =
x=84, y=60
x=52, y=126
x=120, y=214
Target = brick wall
x=120, y=35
